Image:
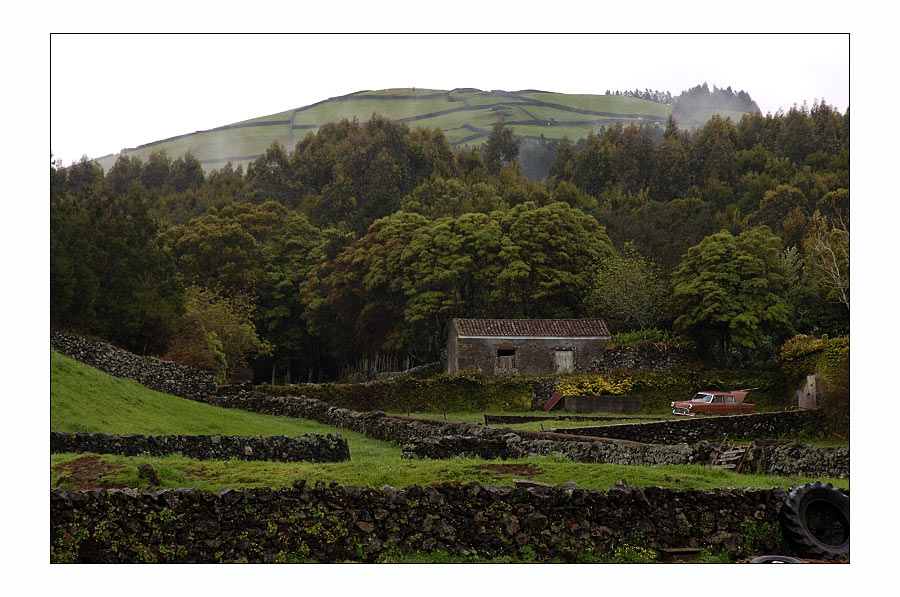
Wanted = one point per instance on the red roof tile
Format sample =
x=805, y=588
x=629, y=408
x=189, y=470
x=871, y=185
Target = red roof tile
x=531, y=327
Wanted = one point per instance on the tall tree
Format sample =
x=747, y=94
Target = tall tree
x=271, y=178
x=795, y=138
x=729, y=292
x=634, y=159
x=292, y=254
x=501, y=148
x=549, y=252
x=828, y=254
x=219, y=253
x=109, y=273
x=629, y=291
x=712, y=151
x=670, y=175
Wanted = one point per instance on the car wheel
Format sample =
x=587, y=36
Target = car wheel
x=815, y=519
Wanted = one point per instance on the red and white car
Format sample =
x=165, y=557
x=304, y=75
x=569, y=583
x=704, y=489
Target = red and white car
x=715, y=403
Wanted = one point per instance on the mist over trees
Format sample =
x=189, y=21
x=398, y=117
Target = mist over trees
x=692, y=103
x=351, y=251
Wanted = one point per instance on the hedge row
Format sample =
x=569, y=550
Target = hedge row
x=472, y=392
x=441, y=393
x=658, y=388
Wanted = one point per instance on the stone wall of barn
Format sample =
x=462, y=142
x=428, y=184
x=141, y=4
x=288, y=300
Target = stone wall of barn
x=532, y=356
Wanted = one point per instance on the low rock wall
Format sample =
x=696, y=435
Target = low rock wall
x=512, y=445
x=440, y=440
x=801, y=460
x=303, y=448
x=375, y=424
x=331, y=523
x=517, y=419
x=603, y=404
x=694, y=429
x=636, y=444
x=156, y=374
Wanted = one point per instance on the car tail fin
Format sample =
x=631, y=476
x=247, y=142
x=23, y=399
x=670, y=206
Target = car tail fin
x=739, y=395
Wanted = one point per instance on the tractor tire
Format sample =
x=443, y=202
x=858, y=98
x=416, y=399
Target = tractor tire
x=809, y=539
x=775, y=560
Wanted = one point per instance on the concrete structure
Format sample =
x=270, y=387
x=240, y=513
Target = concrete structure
x=524, y=346
x=603, y=404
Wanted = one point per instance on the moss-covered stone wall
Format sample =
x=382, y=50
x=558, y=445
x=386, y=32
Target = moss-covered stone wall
x=331, y=523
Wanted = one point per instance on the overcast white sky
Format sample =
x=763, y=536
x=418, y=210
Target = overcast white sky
x=149, y=87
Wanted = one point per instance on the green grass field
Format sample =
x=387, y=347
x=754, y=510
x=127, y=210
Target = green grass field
x=603, y=103
x=402, y=91
x=364, y=108
x=253, y=140
x=85, y=399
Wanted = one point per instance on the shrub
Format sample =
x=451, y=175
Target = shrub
x=594, y=385
x=833, y=415
x=803, y=355
x=471, y=392
x=653, y=336
x=459, y=392
x=658, y=388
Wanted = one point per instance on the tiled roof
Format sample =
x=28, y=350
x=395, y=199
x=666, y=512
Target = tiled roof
x=532, y=327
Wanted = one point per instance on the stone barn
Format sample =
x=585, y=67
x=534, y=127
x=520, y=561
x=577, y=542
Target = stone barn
x=524, y=346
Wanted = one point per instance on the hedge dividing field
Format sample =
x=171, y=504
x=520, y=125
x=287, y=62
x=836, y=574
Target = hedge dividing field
x=470, y=392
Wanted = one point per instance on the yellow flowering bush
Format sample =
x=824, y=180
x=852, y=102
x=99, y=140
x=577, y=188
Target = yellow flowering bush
x=594, y=385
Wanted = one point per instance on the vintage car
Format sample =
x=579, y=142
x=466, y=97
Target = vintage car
x=714, y=403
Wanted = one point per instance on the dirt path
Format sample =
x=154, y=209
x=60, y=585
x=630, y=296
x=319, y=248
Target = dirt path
x=87, y=472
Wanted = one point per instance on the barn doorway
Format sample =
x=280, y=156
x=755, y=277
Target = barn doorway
x=565, y=360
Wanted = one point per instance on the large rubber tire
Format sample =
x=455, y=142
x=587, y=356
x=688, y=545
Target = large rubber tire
x=775, y=560
x=795, y=519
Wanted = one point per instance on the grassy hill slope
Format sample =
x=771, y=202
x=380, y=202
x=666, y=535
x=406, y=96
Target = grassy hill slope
x=84, y=399
x=465, y=115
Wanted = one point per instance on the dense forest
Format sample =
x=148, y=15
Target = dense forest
x=352, y=250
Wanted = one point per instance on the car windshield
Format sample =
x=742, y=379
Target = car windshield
x=702, y=398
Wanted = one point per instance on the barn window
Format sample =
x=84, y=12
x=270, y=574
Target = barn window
x=506, y=358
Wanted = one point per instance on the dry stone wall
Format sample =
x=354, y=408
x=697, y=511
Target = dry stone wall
x=641, y=444
x=512, y=445
x=156, y=374
x=438, y=440
x=801, y=460
x=332, y=523
x=303, y=448
x=694, y=429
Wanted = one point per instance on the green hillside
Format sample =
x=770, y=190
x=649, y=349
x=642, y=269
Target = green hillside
x=86, y=400
x=465, y=115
